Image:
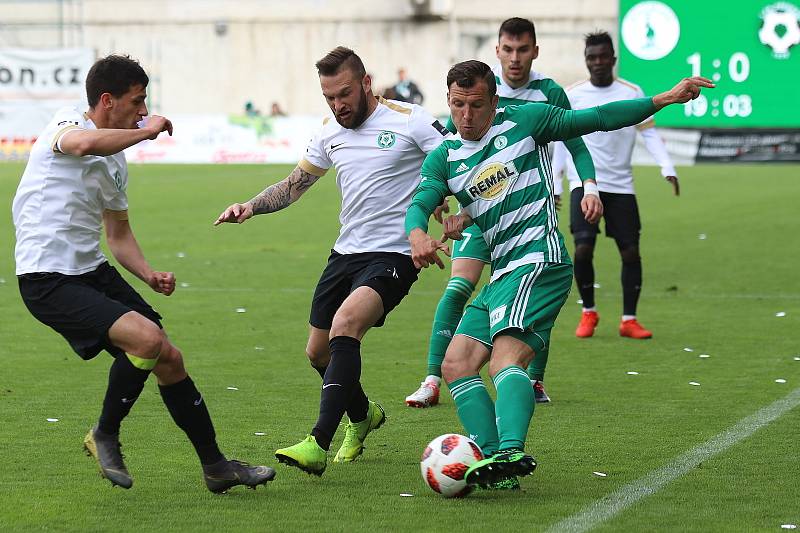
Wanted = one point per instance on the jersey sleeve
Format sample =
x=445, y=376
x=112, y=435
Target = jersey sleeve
x=649, y=122
x=113, y=189
x=549, y=123
x=426, y=130
x=316, y=160
x=432, y=189
x=655, y=145
x=577, y=148
x=66, y=120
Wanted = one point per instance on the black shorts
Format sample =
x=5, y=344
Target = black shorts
x=620, y=212
x=83, y=308
x=389, y=274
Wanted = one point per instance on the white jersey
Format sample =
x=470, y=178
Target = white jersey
x=58, y=208
x=377, y=171
x=611, y=150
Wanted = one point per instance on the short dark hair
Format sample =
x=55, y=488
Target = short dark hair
x=599, y=37
x=517, y=26
x=113, y=74
x=467, y=73
x=339, y=58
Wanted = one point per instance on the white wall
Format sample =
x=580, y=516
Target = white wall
x=210, y=56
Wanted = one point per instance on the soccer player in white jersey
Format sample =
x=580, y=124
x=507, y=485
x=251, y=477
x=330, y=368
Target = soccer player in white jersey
x=611, y=152
x=377, y=147
x=74, y=184
x=498, y=169
x=517, y=84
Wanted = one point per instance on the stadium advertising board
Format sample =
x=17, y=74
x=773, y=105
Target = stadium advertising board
x=228, y=139
x=751, y=50
x=34, y=84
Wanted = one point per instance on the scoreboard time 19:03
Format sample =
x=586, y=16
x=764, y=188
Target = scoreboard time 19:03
x=737, y=69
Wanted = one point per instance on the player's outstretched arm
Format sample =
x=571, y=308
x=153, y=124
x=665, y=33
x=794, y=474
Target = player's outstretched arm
x=273, y=198
x=553, y=123
x=107, y=141
x=126, y=250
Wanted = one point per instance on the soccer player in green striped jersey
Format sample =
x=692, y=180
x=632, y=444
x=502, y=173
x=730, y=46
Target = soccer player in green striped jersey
x=517, y=84
x=499, y=172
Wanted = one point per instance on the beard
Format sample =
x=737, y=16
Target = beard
x=357, y=115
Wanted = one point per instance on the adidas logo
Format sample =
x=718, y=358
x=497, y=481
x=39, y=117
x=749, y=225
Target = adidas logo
x=445, y=333
x=462, y=167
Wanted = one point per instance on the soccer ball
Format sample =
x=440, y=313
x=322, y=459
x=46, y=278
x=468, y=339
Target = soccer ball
x=445, y=461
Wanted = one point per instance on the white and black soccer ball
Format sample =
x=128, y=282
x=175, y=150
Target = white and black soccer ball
x=446, y=460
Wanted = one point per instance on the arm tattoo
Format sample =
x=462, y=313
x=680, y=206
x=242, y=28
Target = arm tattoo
x=280, y=195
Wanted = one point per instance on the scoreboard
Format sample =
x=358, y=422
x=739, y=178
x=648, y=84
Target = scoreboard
x=749, y=48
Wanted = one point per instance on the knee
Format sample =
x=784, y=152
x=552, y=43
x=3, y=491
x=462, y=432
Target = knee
x=456, y=366
x=522, y=360
x=584, y=251
x=318, y=357
x=151, y=342
x=346, y=323
x=630, y=254
x=170, y=359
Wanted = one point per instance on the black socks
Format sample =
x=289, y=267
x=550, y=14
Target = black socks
x=338, y=386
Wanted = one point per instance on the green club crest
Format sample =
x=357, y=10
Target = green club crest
x=500, y=142
x=386, y=139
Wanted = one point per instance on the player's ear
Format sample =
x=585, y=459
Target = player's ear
x=535, y=51
x=495, y=101
x=106, y=100
x=366, y=83
x=497, y=51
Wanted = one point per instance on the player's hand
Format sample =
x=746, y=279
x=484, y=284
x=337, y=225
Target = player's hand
x=687, y=89
x=592, y=208
x=675, y=185
x=424, y=249
x=155, y=124
x=558, y=201
x=454, y=226
x=237, y=213
x=444, y=207
x=163, y=282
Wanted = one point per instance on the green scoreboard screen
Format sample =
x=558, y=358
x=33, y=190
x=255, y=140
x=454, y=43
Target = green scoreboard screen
x=749, y=48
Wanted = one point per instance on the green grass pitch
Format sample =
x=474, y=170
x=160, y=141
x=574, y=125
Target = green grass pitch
x=718, y=296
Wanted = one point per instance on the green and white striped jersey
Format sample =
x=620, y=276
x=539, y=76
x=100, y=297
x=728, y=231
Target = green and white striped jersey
x=539, y=89
x=503, y=181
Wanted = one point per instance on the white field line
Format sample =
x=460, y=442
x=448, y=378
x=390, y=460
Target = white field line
x=609, y=506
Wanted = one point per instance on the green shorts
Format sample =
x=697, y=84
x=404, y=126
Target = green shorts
x=523, y=303
x=472, y=246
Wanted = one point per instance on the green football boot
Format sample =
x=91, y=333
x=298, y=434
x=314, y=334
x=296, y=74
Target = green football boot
x=106, y=450
x=306, y=455
x=511, y=483
x=356, y=432
x=500, y=466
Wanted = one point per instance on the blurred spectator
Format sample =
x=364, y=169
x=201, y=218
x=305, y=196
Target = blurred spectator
x=276, y=111
x=390, y=94
x=250, y=110
x=406, y=90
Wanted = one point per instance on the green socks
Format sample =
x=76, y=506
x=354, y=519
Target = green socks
x=476, y=411
x=537, y=366
x=448, y=313
x=514, y=407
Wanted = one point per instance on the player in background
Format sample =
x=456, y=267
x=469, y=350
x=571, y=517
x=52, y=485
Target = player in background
x=611, y=152
x=377, y=147
x=507, y=191
x=74, y=185
x=517, y=84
